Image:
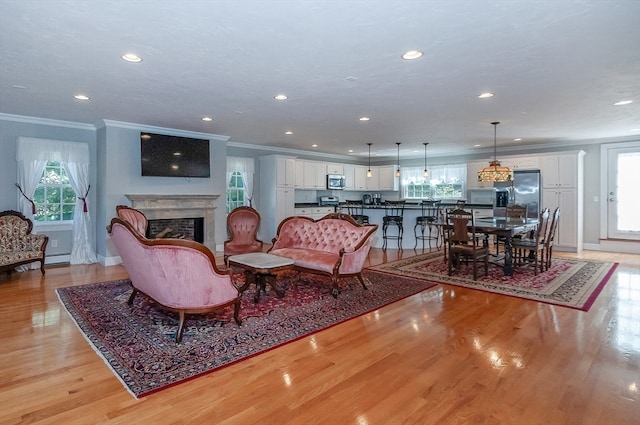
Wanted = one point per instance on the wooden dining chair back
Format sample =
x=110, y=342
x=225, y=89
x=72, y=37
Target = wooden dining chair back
x=512, y=212
x=531, y=250
x=463, y=242
x=549, y=238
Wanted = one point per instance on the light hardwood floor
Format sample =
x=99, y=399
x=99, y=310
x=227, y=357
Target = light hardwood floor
x=445, y=356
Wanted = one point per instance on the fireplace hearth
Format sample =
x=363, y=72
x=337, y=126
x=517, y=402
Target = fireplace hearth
x=174, y=209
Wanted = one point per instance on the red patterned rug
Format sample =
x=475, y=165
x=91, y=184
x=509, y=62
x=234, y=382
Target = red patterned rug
x=568, y=282
x=137, y=342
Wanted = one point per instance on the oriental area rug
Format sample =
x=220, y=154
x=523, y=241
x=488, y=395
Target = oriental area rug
x=570, y=283
x=137, y=341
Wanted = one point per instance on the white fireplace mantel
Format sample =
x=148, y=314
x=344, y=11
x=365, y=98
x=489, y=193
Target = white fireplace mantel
x=159, y=207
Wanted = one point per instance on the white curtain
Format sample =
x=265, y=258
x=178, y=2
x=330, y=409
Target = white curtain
x=82, y=251
x=246, y=168
x=32, y=155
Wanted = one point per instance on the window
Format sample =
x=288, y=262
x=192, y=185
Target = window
x=54, y=198
x=236, y=193
x=444, y=182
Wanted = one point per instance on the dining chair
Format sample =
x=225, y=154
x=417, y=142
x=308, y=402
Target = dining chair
x=530, y=250
x=549, y=238
x=463, y=243
x=512, y=212
x=393, y=216
x=355, y=208
x=429, y=222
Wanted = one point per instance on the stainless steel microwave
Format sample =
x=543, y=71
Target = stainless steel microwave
x=335, y=181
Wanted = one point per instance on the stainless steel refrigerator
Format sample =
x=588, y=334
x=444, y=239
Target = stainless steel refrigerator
x=523, y=190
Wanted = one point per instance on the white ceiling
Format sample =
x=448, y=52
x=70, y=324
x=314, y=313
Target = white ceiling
x=556, y=68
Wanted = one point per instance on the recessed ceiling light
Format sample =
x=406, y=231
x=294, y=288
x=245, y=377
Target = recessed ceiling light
x=412, y=54
x=476, y=146
x=131, y=57
x=82, y=97
x=288, y=133
x=19, y=86
x=634, y=129
x=486, y=95
x=207, y=119
x=364, y=118
x=314, y=146
x=517, y=140
x=350, y=151
x=623, y=102
x=280, y=97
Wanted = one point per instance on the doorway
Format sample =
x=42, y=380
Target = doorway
x=621, y=201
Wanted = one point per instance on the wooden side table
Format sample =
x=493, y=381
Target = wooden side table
x=261, y=268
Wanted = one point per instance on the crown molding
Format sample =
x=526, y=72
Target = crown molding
x=46, y=121
x=155, y=129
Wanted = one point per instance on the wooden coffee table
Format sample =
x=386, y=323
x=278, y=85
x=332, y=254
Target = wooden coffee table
x=261, y=268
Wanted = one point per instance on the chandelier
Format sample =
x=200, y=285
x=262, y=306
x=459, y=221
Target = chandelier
x=495, y=172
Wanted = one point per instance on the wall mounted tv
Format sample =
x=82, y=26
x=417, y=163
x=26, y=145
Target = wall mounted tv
x=174, y=156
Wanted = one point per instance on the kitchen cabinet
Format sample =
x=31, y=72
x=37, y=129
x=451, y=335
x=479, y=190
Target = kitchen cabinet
x=315, y=175
x=276, y=199
x=559, y=171
x=360, y=177
x=387, y=179
x=299, y=175
x=562, y=186
x=529, y=162
x=333, y=168
x=315, y=213
x=349, y=177
x=285, y=171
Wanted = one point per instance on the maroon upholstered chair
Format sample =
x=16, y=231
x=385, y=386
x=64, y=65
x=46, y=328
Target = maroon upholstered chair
x=136, y=218
x=243, y=224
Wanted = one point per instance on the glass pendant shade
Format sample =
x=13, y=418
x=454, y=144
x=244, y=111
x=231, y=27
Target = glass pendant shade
x=495, y=172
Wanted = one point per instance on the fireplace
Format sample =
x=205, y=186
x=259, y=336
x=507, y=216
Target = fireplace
x=179, y=228
x=192, y=215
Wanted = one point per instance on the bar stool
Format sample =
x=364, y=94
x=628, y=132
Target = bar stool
x=429, y=221
x=355, y=208
x=393, y=216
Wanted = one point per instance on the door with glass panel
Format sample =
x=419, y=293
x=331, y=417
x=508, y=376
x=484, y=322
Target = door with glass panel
x=623, y=196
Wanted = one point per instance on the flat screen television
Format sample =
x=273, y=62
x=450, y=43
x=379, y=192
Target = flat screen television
x=174, y=156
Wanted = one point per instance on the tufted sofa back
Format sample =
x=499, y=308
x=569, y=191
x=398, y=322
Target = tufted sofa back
x=327, y=234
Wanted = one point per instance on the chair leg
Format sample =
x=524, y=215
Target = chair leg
x=132, y=296
x=361, y=279
x=180, y=327
x=236, y=311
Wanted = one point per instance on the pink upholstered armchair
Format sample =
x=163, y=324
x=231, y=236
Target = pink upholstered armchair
x=243, y=224
x=180, y=275
x=134, y=217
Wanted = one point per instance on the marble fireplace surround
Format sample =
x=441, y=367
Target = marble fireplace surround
x=158, y=207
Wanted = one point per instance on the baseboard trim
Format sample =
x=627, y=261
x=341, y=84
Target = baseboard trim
x=57, y=259
x=626, y=247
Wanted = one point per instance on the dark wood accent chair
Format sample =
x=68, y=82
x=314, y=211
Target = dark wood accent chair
x=463, y=243
x=512, y=212
x=527, y=249
x=549, y=238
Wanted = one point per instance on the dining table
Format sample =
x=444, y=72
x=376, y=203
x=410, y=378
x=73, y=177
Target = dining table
x=507, y=228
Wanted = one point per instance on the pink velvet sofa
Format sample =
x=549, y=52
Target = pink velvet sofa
x=180, y=275
x=334, y=245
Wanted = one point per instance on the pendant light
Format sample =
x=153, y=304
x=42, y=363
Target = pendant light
x=369, y=170
x=495, y=172
x=398, y=170
x=425, y=173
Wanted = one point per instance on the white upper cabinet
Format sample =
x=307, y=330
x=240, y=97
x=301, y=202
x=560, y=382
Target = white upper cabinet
x=299, y=178
x=360, y=177
x=530, y=162
x=387, y=179
x=333, y=168
x=315, y=175
x=349, y=177
x=559, y=171
x=285, y=172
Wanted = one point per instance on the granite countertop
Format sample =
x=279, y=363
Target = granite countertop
x=408, y=205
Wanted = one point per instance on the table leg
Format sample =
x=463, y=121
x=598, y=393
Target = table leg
x=508, y=257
